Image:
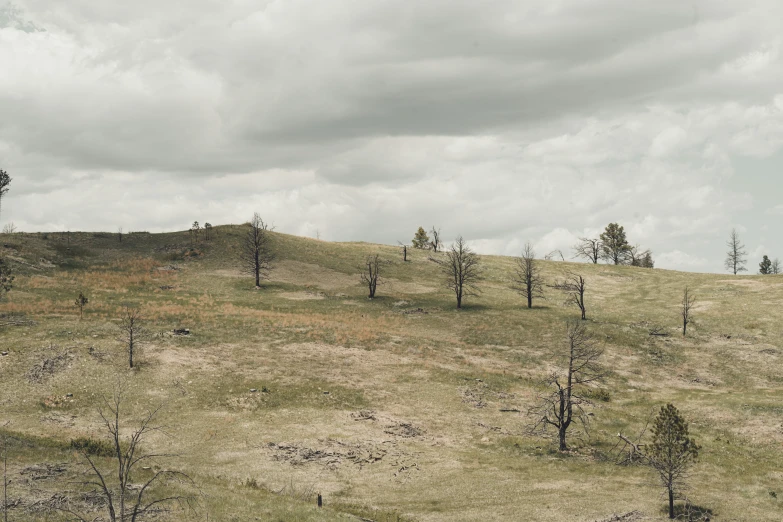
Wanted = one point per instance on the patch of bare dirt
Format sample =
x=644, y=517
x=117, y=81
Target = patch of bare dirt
x=49, y=365
x=631, y=516
x=43, y=471
x=302, y=296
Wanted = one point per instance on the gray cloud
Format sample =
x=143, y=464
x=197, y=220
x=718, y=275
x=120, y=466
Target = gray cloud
x=363, y=120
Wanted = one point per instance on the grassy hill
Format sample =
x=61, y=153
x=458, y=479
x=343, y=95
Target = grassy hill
x=390, y=407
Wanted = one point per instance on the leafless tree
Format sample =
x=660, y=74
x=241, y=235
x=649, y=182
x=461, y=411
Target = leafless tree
x=132, y=332
x=688, y=300
x=126, y=501
x=9, y=228
x=555, y=254
x=435, y=242
x=5, y=180
x=194, y=230
x=528, y=280
x=775, y=268
x=461, y=266
x=639, y=257
x=564, y=399
x=119, y=234
x=208, y=231
x=371, y=273
x=6, y=482
x=573, y=285
x=589, y=249
x=256, y=254
x=735, y=257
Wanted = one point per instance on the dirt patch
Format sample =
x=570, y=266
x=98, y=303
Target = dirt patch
x=297, y=272
x=49, y=366
x=332, y=453
x=631, y=516
x=43, y=471
x=302, y=296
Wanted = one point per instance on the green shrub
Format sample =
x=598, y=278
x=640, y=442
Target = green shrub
x=99, y=448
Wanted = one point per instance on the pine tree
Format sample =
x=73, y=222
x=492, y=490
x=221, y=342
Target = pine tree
x=421, y=239
x=672, y=451
x=614, y=245
x=765, y=267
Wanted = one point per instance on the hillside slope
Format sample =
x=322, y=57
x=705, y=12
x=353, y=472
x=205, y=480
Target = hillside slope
x=400, y=404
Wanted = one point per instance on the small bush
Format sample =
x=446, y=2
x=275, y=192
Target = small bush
x=99, y=448
x=598, y=394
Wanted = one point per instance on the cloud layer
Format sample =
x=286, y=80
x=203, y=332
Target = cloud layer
x=498, y=120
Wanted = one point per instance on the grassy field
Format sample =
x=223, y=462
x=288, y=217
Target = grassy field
x=391, y=407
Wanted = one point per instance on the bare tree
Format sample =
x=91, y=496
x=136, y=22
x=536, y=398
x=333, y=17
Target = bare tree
x=462, y=270
x=435, y=242
x=775, y=268
x=208, y=231
x=256, y=254
x=735, y=257
x=5, y=180
x=371, y=272
x=9, y=228
x=6, y=482
x=639, y=257
x=404, y=251
x=132, y=332
x=574, y=286
x=80, y=302
x=125, y=500
x=688, y=300
x=564, y=399
x=589, y=249
x=119, y=234
x=528, y=280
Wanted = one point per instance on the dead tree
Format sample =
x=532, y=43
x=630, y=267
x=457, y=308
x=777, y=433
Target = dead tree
x=208, y=231
x=735, y=257
x=404, y=251
x=775, y=267
x=589, y=249
x=5, y=180
x=6, y=482
x=688, y=300
x=119, y=234
x=639, y=257
x=528, y=280
x=435, y=242
x=256, y=254
x=127, y=500
x=462, y=270
x=132, y=332
x=574, y=285
x=371, y=272
x=564, y=400
x=194, y=230
x=80, y=302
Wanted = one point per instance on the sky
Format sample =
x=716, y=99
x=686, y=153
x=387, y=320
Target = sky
x=501, y=121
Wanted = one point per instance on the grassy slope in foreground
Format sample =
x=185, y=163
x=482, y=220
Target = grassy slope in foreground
x=436, y=447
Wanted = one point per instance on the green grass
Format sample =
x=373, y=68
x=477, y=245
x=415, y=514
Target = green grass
x=311, y=330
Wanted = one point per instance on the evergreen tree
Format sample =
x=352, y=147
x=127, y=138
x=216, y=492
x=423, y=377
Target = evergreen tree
x=614, y=245
x=421, y=239
x=672, y=451
x=765, y=267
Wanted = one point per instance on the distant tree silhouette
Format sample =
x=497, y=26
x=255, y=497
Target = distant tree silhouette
x=435, y=242
x=5, y=181
x=207, y=231
x=735, y=257
x=775, y=267
x=765, y=267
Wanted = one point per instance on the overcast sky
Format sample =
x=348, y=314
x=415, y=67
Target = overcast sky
x=503, y=121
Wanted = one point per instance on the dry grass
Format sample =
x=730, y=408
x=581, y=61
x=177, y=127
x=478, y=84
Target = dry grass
x=316, y=363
